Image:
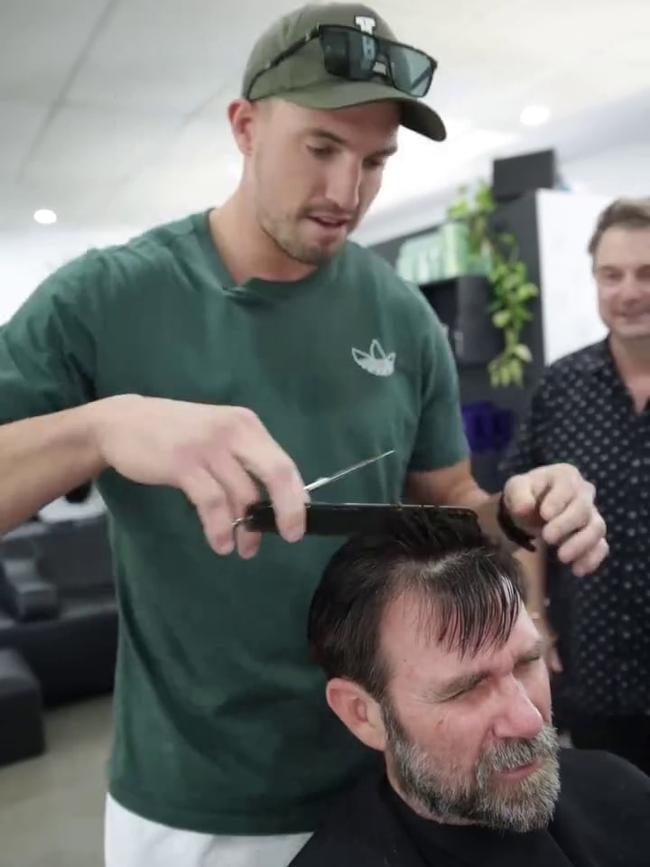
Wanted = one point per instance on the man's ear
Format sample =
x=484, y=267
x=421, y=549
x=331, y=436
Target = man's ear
x=241, y=114
x=358, y=711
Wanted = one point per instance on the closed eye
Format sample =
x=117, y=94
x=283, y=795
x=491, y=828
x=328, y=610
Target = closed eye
x=465, y=690
x=460, y=694
x=321, y=153
x=524, y=664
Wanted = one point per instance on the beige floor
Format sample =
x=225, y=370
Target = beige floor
x=51, y=807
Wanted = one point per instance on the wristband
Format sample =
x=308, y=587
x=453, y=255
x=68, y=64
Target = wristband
x=510, y=530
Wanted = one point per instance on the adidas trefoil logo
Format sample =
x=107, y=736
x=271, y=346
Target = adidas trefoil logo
x=376, y=361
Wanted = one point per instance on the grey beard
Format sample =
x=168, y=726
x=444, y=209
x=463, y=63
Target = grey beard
x=524, y=806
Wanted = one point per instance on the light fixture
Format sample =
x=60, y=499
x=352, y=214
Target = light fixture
x=45, y=216
x=535, y=115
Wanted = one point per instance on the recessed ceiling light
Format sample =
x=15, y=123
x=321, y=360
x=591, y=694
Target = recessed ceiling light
x=45, y=216
x=535, y=115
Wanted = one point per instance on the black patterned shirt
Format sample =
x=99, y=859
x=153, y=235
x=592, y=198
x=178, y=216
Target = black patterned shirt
x=582, y=414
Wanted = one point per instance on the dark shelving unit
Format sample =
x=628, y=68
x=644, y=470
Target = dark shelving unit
x=462, y=305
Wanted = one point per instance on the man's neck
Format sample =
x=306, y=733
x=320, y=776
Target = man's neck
x=246, y=249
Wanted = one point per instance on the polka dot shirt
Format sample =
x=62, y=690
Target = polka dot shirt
x=582, y=414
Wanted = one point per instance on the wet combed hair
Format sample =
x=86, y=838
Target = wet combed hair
x=469, y=592
x=626, y=213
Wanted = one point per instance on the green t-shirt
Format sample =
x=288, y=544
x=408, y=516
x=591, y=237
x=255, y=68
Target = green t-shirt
x=220, y=721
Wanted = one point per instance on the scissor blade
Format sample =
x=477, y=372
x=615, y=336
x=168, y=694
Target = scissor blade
x=325, y=480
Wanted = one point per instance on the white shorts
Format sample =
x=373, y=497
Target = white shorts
x=131, y=841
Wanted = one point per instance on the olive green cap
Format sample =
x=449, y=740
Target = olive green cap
x=302, y=78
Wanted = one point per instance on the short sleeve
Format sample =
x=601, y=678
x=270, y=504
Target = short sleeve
x=47, y=349
x=440, y=440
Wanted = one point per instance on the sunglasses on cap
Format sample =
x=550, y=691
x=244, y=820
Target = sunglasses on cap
x=357, y=56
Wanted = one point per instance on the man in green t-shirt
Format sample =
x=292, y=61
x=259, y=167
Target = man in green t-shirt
x=182, y=370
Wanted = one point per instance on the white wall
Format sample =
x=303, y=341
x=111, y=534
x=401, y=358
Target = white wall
x=569, y=307
x=623, y=170
x=27, y=258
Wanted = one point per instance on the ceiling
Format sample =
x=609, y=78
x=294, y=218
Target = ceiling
x=113, y=112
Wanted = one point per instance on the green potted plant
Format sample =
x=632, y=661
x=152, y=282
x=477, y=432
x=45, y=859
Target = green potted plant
x=496, y=254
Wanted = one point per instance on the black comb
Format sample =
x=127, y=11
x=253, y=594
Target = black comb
x=346, y=519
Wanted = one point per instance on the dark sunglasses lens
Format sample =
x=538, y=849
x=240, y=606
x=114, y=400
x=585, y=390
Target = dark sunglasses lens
x=363, y=55
x=348, y=53
x=335, y=51
x=358, y=56
x=411, y=70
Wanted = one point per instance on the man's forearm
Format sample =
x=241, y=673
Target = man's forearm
x=43, y=458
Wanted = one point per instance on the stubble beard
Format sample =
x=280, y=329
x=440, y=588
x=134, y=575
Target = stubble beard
x=285, y=233
x=524, y=805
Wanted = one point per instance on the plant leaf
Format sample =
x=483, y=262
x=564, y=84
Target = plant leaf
x=528, y=290
x=523, y=352
x=512, y=281
x=516, y=371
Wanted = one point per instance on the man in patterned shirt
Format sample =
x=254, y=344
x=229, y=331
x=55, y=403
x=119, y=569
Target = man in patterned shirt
x=592, y=410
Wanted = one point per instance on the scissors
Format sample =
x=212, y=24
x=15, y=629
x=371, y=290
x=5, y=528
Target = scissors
x=344, y=519
x=313, y=486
